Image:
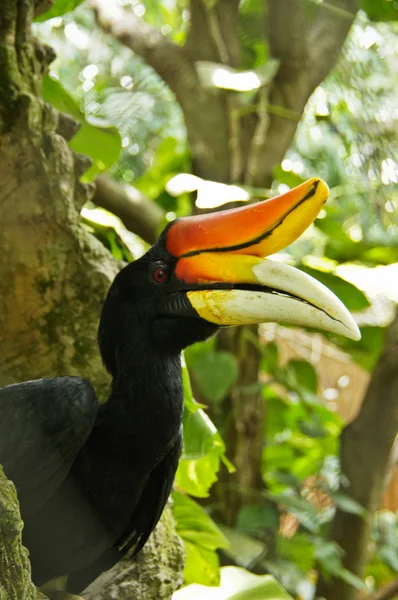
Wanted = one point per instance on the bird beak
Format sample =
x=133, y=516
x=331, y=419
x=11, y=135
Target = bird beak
x=221, y=267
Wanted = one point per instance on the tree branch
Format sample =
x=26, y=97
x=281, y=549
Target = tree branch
x=366, y=444
x=307, y=49
x=387, y=592
x=156, y=49
x=138, y=213
x=327, y=34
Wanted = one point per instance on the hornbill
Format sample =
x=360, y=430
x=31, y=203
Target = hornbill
x=93, y=479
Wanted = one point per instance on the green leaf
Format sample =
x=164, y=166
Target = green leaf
x=270, y=357
x=60, y=7
x=201, y=565
x=287, y=177
x=203, y=447
x=57, y=95
x=301, y=374
x=189, y=401
x=350, y=295
x=200, y=435
x=236, y=584
x=195, y=525
x=201, y=538
x=381, y=10
x=328, y=555
x=100, y=141
x=254, y=519
x=197, y=476
x=298, y=549
x=96, y=138
x=214, y=374
x=348, y=504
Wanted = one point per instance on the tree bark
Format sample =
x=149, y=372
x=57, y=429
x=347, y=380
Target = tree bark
x=15, y=581
x=53, y=275
x=138, y=213
x=366, y=444
x=387, y=592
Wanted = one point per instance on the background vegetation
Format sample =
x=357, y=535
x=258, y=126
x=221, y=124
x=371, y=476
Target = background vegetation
x=189, y=106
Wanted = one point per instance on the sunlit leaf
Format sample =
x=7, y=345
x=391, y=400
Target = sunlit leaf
x=201, y=538
x=195, y=525
x=60, y=7
x=197, y=476
x=236, y=584
x=201, y=565
x=219, y=75
x=200, y=435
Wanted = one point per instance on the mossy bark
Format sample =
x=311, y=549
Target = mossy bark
x=15, y=581
x=53, y=275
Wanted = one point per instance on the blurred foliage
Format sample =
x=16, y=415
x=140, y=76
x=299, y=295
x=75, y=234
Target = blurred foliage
x=132, y=125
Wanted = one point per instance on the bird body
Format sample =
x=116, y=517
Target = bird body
x=93, y=479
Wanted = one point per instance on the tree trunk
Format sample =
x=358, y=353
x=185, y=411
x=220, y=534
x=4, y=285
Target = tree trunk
x=54, y=276
x=15, y=582
x=366, y=444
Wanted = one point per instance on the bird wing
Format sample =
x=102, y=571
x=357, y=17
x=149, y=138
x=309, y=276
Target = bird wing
x=43, y=425
x=152, y=501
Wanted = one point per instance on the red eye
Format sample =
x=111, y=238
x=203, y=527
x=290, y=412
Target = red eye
x=160, y=274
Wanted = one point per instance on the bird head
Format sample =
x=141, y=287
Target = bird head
x=210, y=271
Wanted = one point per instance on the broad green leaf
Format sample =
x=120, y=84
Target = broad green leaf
x=195, y=525
x=54, y=93
x=201, y=565
x=203, y=446
x=96, y=138
x=189, y=401
x=214, y=374
x=381, y=10
x=236, y=584
x=100, y=141
x=60, y=7
x=350, y=295
x=301, y=374
x=197, y=476
x=201, y=538
x=200, y=436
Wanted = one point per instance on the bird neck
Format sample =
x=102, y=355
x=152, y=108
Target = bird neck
x=144, y=410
